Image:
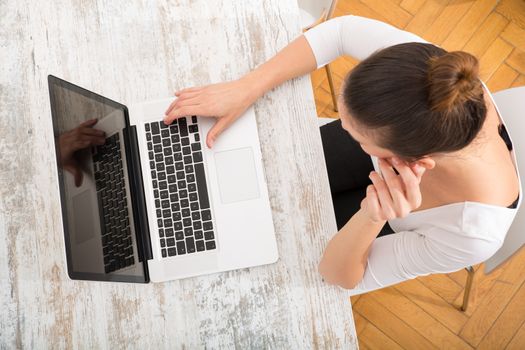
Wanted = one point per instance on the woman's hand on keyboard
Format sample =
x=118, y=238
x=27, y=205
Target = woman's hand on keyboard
x=224, y=101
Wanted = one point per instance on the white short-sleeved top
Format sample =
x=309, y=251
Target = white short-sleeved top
x=436, y=240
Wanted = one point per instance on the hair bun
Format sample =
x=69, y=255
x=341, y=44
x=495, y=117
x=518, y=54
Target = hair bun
x=453, y=80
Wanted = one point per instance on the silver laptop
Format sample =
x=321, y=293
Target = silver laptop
x=149, y=201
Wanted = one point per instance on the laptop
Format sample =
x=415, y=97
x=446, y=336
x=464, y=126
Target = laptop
x=150, y=202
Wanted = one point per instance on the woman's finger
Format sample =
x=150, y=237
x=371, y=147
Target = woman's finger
x=170, y=107
x=385, y=200
x=216, y=130
x=188, y=102
x=91, y=131
x=411, y=182
x=178, y=100
x=89, y=122
x=372, y=203
x=395, y=187
x=184, y=112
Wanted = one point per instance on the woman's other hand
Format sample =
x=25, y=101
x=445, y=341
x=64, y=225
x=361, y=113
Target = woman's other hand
x=393, y=196
x=224, y=101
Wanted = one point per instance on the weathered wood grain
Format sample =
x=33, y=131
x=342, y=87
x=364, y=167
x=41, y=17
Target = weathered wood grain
x=134, y=51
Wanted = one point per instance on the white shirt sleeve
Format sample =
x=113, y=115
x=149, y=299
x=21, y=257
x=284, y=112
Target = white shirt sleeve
x=405, y=255
x=355, y=36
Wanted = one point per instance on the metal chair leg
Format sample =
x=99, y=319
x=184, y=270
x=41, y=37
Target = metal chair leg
x=331, y=83
x=468, y=287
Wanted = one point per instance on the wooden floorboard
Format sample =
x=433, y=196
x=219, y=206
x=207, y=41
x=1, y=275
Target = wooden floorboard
x=424, y=313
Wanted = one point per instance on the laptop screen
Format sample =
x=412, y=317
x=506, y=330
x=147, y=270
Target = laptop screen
x=94, y=189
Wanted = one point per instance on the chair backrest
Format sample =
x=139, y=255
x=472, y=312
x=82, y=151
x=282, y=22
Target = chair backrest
x=511, y=104
x=314, y=11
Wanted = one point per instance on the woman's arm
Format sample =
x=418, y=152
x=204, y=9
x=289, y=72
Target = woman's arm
x=227, y=101
x=348, y=35
x=345, y=257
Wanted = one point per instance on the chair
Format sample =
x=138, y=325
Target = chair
x=314, y=12
x=511, y=104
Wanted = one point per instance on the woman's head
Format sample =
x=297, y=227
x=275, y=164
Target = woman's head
x=414, y=100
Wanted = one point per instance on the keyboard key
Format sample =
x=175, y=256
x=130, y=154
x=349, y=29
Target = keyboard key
x=206, y=215
x=170, y=242
x=183, y=130
x=190, y=245
x=179, y=235
x=194, y=119
x=197, y=225
x=188, y=231
x=185, y=141
x=198, y=234
x=165, y=133
x=155, y=129
x=195, y=215
x=197, y=157
x=199, y=245
x=208, y=235
x=156, y=139
x=164, y=253
x=201, y=184
x=186, y=221
x=181, y=248
x=195, y=147
x=168, y=232
x=210, y=245
x=172, y=252
x=207, y=226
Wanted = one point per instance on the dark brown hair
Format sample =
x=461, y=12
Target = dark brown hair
x=417, y=98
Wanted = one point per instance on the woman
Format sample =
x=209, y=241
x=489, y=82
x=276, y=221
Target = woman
x=421, y=169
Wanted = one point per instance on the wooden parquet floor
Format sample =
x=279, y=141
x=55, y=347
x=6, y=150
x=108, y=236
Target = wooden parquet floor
x=424, y=313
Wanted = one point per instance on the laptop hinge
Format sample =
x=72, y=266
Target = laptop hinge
x=137, y=193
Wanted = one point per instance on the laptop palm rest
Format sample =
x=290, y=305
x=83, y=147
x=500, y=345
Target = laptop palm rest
x=236, y=175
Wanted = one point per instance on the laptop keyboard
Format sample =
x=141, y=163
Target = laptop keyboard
x=112, y=203
x=179, y=187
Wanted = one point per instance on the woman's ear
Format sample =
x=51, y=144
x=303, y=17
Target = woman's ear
x=425, y=162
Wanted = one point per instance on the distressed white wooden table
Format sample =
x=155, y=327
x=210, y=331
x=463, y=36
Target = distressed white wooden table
x=133, y=51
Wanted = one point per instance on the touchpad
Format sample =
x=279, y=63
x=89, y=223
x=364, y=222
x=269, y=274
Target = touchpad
x=236, y=175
